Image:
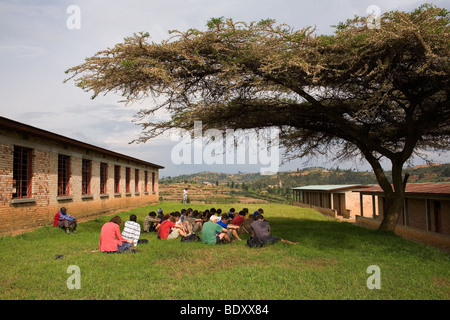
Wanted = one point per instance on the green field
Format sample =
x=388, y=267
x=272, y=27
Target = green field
x=331, y=262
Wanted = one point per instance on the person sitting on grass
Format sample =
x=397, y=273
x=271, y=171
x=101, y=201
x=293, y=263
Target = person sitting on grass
x=132, y=230
x=239, y=218
x=231, y=229
x=168, y=228
x=63, y=220
x=151, y=222
x=191, y=223
x=261, y=230
x=245, y=226
x=111, y=241
x=210, y=229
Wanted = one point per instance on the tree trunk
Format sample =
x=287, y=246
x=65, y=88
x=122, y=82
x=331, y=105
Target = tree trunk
x=394, y=197
x=393, y=210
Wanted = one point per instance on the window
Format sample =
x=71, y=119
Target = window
x=86, y=176
x=63, y=175
x=153, y=182
x=127, y=180
x=103, y=177
x=146, y=181
x=22, y=173
x=117, y=179
x=136, y=180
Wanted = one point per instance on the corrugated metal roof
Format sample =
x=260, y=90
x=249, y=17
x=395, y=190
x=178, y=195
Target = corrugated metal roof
x=329, y=187
x=8, y=124
x=415, y=188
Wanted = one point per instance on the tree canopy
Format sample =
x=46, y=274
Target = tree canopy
x=380, y=93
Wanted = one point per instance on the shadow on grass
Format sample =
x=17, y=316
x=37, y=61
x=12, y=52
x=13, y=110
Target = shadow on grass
x=333, y=236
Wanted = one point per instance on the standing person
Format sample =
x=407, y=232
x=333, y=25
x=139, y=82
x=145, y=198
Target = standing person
x=110, y=238
x=132, y=230
x=63, y=220
x=261, y=230
x=185, y=196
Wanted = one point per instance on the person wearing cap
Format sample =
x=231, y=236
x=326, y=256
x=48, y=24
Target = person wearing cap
x=261, y=230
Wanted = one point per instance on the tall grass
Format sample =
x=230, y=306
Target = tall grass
x=330, y=262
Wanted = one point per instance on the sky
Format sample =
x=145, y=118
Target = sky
x=39, y=40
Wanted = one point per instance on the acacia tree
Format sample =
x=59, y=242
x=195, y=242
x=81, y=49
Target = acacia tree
x=377, y=93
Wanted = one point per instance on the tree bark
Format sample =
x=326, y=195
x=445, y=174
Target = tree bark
x=394, y=199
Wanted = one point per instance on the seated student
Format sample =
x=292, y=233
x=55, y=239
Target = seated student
x=261, y=230
x=132, y=230
x=231, y=229
x=111, y=240
x=191, y=223
x=63, y=220
x=231, y=213
x=210, y=229
x=168, y=228
x=160, y=214
x=245, y=226
x=239, y=218
x=183, y=214
x=257, y=212
x=151, y=222
x=179, y=229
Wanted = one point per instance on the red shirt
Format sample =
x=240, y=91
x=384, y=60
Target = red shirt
x=164, y=229
x=237, y=220
x=110, y=237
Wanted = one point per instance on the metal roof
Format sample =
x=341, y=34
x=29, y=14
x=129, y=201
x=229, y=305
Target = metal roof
x=329, y=187
x=8, y=124
x=442, y=189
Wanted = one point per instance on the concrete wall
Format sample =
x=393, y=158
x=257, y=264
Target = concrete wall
x=433, y=238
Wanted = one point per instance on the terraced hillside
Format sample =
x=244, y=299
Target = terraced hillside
x=202, y=193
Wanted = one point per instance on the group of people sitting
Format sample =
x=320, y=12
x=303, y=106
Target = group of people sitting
x=214, y=226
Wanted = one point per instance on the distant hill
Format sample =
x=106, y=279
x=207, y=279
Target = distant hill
x=276, y=188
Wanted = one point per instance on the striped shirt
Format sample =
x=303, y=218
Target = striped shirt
x=132, y=231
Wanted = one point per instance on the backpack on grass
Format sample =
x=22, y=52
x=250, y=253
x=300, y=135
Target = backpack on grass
x=190, y=238
x=254, y=242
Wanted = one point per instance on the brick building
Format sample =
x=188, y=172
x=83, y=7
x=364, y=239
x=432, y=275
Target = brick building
x=332, y=200
x=426, y=206
x=42, y=171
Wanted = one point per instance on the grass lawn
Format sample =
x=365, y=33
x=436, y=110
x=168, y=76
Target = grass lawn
x=330, y=262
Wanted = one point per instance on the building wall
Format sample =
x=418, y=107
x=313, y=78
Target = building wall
x=21, y=215
x=416, y=214
x=346, y=204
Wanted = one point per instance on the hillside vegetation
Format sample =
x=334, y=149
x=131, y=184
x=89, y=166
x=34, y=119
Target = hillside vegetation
x=209, y=187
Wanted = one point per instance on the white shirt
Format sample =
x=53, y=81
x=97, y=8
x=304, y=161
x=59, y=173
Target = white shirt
x=132, y=231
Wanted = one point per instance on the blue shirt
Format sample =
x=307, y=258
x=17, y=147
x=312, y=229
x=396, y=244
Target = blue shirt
x=222, y=224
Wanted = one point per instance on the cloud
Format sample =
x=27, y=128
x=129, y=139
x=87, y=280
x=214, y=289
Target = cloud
x=22, y=51
x=36, y=48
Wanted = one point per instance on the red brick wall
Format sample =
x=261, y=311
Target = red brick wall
x=20, y=217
